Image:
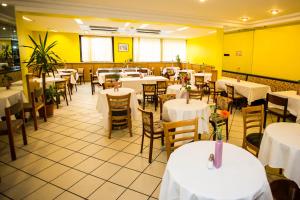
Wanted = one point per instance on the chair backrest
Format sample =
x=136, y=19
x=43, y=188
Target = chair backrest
x=149, y=89
x=230, y=91
x=147, y=120
x=161, y=85
x=31, y=84
x=37, y=97
x=253, y=118
x=222, y=103
x=162, y=99
x=214, y=75
x=110, y=77
x=170, y=72
x=80, y=70
x=279, y=101
x=285, y=189
x=118, y=103
x=182, y=129
x=212, y=85
x=199, y=80
x=196, y=94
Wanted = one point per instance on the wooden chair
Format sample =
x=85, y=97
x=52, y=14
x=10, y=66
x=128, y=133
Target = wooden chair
x=110, y=77
x=283, y=189
x=234, y=96
x=152, y=130
x=199, y=82
x=213, y=91
x=161, y=87
x=119, y=112
x=196, y=94
x=280, y=112
x=31, y=84
x=10, y=126
x=36, y=102
x=253, y=118
x=94, y=81
x=61, y=87
x=190, y=126
x=182, y=74
x=214, y=75
x=149, y=93
x=162, y=99
x=217, y=120
x=80, y=72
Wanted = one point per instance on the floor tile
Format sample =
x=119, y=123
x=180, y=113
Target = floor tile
x=37, y=166
x=121, y=158
x=106, y=171
x=145, y=184
x=45, y=151
x=124, y=177
x=73, y=159
x=156, y=169
x=68, y=196
x=12, y=179
x=60, y=154
x=132, y=195
x=25, y=160
x=89, y=165
x=132, y=149
x=67, y=179
x=76, y=146
x=138, y=163
x=118, y=145
x=86, y=186
x=91, y=149
x=46, y=192
x=107, y=191
x=52, y=172
x=5, y=170
x=105, y=154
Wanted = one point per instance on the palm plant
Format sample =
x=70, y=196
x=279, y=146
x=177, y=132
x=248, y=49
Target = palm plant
x=43, y=58
x=6, y=54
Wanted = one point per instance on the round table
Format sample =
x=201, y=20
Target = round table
x=8, y=98
x=280, y=148
x=178, y=110
x=178, y=90
x=187, y=176
x=102, y=104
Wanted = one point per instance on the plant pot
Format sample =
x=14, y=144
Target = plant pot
x=49, y=111
x=218, y=154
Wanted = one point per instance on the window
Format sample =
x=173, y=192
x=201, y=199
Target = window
x=96, y=49
x=172, y=48
x=146, y=50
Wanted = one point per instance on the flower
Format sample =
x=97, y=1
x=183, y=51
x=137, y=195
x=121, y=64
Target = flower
x=224, y=113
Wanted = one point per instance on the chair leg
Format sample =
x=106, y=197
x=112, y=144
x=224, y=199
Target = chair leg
x=92, y=88
x=278, y=119
x=142, y=144
x=65, y=93
x=70, y=94
x=265, y=119
x=130, y=125
x=12, y=146
x=33, y=112
x=24, y=134
x=144, y=99
x=162, y=139
x=45, y=115
x=151, y=149
x=76, y=87
x=109, y=129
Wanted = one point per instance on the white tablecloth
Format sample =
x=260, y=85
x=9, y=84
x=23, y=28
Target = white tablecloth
x=178, y=90
x=49, y=80
x=8, y=98
x=207, y=77
x=136, y=82
x=190, y=72
x=67, y=70
x=177, y=110
x=73, y=76
x=102, y=104
x=293, y=102
x=280, y=148
x=252, y=91
x=187, y=177
x=101, y=76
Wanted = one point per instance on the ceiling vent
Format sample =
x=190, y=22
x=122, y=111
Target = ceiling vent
x=103, y=28
x=149, y=31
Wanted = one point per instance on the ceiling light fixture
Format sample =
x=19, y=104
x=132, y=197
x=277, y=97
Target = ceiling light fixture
x=202, y=1
x=78, y=21
x=182, y=28
x=127, y=24
x=244, y=19
x=274, y=11
x=4, y=28
x=144, y=25
x=26, y=18
x=4, y=4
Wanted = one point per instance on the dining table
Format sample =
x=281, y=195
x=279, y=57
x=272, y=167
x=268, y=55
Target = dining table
x=49, y=80
x=293, y=102
x=9, y=97
x=102, y=104
x=179, y=90
x=179, y=109
x=252, y=91
x=187, y=175
x=101, y=76
x=280, y=148
x=136, y=83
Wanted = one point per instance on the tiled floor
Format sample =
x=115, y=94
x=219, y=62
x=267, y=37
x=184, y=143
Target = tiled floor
x=70, y=157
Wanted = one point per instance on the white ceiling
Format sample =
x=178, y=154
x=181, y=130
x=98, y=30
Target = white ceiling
x=212, y=13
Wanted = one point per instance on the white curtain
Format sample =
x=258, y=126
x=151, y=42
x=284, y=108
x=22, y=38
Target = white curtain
x=147, y=50
x=173, y=47
x=96, y=49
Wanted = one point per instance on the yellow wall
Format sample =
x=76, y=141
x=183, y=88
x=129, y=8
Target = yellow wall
x=67, y=47
x=122, y=56
x=275, y=52
x=206, y=49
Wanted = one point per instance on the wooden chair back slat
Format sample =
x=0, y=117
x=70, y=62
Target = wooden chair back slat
x=196, y=94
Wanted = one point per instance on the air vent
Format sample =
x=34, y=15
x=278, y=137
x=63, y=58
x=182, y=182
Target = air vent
x=149, y=31
x=103, y=28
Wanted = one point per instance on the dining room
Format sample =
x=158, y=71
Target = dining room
x=136, y=100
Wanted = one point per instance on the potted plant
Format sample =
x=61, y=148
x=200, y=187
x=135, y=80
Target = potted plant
x=50, y=99
x=6, y=80
x=6, y=55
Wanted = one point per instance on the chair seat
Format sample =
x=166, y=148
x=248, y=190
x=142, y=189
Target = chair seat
x=254, y=139
x=278, y=111
x=15, y=124
x=158, y=127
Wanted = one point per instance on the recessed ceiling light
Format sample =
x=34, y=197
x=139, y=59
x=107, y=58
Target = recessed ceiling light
x=144, y=25
x=274, y=11
x=26, y=18
x=182, y=28
x=78, y=21
x=14, y=31
x=4, y=4
x=127, y=24
x=202, y=1
x=4, y=28
x=244, y=19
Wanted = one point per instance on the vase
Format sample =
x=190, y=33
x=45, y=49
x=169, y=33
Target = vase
x=218, y=154
x=187, y=98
